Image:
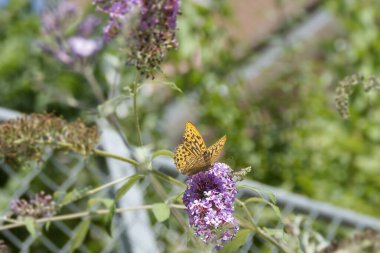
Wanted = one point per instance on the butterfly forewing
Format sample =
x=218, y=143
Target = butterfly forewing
x=193, y=156
x=193, y=140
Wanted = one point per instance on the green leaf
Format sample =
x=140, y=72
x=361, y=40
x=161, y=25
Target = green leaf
x=72, y=196
x=110, y=105
x=169, y=179
x=111, y=206
x=125, y=188
x=239, y=240
x=161, y=211
x=31, y=226
x=261, y=200
x=163, y=152
x=79, y=235
x=262, y=193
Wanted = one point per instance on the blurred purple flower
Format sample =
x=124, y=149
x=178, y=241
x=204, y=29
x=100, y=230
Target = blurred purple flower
x=56, y=20
x=116, y=8
x=40, y=206
x=83, y=47
x=209, y=199
x=61, y=42
x=88, y=26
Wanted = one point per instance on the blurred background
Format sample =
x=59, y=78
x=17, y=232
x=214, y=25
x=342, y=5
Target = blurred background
x=262, y=72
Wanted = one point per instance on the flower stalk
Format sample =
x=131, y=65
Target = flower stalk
x=251, y=224
x=84, y=214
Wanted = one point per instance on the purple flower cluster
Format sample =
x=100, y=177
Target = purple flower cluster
x=150, y=37
x=40, y=206
x=209, y=199
x=61, y=42
x=119, y=14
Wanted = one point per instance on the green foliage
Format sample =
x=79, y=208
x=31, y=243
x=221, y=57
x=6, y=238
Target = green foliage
x=161, y=211
x=111, y=207
x=79, y=235
x=65, y=198
x=126, y=186
x=31, y=226
x=239, y=240
x=31, y=81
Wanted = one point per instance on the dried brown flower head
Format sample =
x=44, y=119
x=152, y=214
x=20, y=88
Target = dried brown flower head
x=26, y=138
x=3, y=247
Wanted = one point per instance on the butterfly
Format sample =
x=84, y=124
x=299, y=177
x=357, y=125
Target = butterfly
x=192, y=156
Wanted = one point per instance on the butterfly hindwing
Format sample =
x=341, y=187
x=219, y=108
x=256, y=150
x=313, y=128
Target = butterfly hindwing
x=182, y=158
x=216, y=149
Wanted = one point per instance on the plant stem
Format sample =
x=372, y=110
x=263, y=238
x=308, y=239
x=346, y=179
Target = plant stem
x=95, y=86
x=84, y=214
x=256, y=229
x=134, y=90
x=93, y=191
x=110, y=155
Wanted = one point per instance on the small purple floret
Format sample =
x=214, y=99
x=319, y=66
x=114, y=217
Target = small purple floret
x=209, y=199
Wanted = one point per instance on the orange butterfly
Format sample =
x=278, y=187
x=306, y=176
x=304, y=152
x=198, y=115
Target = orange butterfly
x=193, y=156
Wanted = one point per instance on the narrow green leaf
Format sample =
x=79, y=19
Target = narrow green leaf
x=163, y=152
x=74, y=195
x=161, y=211
x=31, y=226
x=109, y=218
x=79, y=235
x=47, y=226
x=172, y=86
x=125, y=188
x=261, y=200
x=169, y=179
x=239, y=240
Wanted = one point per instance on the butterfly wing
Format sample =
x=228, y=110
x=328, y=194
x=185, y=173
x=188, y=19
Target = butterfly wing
x=215, y=150
x=193, y=140
x=193, y=156
x=182, y=157
x=189, y=155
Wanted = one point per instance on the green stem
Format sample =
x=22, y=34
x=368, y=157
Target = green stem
x=134, y=87
x=84, y=214
x=95, y=86
x=110, y=155
x=256, y=229
x=93, y=191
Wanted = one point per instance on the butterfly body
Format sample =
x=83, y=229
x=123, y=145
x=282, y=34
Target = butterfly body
x=192, y=156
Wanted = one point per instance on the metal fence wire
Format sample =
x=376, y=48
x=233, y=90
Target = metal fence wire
x=134, y=231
